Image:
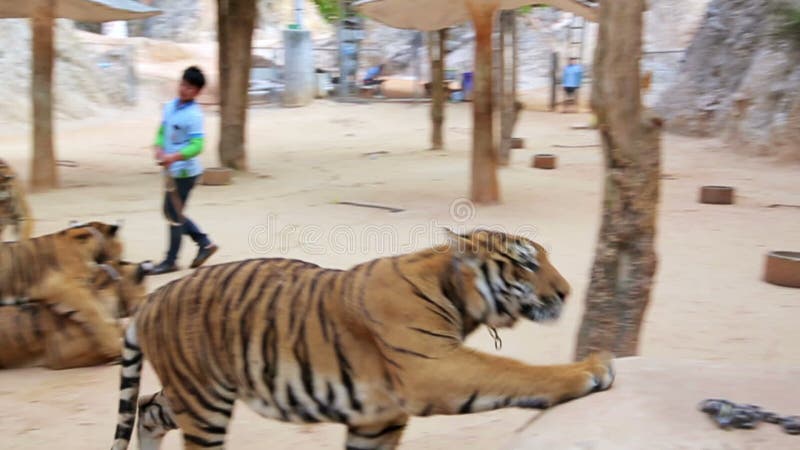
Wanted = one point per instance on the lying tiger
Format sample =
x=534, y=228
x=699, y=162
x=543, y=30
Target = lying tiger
x=14, y=211
x=39, y=332
x=68, y=259
x=367, y=347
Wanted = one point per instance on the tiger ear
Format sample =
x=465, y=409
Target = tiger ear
x=114, y=228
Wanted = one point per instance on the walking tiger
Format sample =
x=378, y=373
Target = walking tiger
x=366, y=347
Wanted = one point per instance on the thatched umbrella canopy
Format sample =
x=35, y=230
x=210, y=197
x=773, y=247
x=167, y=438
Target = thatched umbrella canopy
x=42, y=14
x=431, y=15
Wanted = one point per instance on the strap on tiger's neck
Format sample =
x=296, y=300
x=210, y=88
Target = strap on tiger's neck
x=498, y=343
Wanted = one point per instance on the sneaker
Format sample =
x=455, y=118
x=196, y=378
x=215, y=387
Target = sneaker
x=163, y=268
x=203, y=254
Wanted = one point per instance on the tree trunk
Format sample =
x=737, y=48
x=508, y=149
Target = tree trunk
x=485, y=188
x=553, y=81
x=506, y=93
x=625, y=263
x=515, y=72
x=44, y=174
x=437, y=52
x=235, y=22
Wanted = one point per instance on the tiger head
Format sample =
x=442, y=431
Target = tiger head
x=121, y=287
x=98, y=241
x=505, y=277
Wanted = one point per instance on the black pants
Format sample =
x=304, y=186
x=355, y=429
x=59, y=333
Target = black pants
x=183, y=186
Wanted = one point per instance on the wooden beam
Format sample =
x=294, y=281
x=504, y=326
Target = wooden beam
x=44, y=173
x=484, y=188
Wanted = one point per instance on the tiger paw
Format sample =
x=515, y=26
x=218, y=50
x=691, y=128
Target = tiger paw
x=598, y=372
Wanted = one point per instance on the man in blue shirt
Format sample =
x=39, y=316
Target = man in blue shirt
x=572, y=79
x=179, y=141
x=371, y=78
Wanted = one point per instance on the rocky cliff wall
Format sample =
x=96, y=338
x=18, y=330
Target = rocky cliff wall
x=740, y=80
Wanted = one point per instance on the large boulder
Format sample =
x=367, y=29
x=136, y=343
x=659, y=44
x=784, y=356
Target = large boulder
x=86, y=78
x=740, y=80
x=179, y=21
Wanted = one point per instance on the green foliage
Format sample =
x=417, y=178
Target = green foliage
x=329, y=9
x=789, y=16
x=529, y=8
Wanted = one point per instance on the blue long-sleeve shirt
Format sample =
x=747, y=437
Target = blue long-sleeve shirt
x=573, y=76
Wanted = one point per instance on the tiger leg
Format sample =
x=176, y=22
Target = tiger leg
x=203, y=424
x=477, y=382
x=155, y=420
x=384, y=436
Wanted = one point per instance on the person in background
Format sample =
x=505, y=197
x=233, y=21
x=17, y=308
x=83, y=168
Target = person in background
x=178, y=144
x=571, y=80
x=372, y=78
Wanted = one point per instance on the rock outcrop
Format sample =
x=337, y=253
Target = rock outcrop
x=84, y=79
x=740, y=80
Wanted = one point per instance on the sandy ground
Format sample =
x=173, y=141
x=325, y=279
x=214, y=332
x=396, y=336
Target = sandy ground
x=644, y=410
x=708, y=304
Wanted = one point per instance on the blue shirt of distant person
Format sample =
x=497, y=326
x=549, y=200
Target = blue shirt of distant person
x=371, y=77
x=179, y=142
x=573, y=77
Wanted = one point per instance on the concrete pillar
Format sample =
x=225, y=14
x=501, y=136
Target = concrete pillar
x=300, y=80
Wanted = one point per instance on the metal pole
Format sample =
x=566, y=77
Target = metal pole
x=298, y=13
x=340, y=35
x=417, y=65
x=553, y=80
